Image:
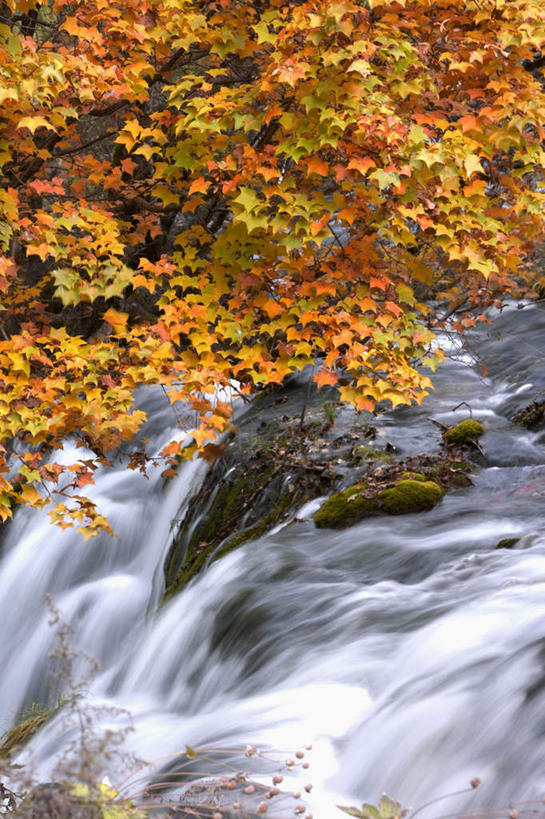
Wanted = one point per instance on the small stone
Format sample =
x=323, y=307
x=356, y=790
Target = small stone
x=507, y=542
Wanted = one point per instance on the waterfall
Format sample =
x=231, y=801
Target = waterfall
x=408, y=651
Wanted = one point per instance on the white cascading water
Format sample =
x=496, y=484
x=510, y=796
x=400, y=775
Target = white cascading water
x=409, y=651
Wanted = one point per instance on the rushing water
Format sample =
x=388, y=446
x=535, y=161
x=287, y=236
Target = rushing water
x=409, y=651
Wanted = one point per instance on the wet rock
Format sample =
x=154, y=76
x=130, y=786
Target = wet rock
x=507, y=542
x=365, y=454
x=410, y=496
x=346, y=508
x=466, y=432
x=532, y=416
x=272, y=465
x=360, y=501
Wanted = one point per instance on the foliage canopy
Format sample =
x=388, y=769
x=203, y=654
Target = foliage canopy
x=201, y=192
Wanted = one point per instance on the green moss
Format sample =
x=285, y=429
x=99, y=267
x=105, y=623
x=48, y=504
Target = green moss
x=507, y=542
x=258, y=529
x=413, y=476
x=365, y=454
x=531, y=416
x=410, y=496
x=464, y=432
x=345, y=508
x=204, y=552
x=459, y=480
x=188, y=570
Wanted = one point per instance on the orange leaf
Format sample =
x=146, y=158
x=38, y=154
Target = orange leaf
x=362, y=165
x=317, y=165
x=117, y=320
x=379, y=283
x=199, y=185
x=325, y=378
x=393, y=308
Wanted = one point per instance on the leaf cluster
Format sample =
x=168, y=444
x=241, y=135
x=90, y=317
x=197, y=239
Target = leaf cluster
x=202, y=193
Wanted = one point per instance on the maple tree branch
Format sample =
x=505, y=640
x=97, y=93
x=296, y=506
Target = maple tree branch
x=171, y=62
x=150, y=206
x=108, y=110
x=330, y=226
x=82, y=146
x=37, y=162
x=190, y=56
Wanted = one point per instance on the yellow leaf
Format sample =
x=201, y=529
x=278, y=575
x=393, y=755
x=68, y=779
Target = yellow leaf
x=31, y=496
x=472, y=164
x=33, y=123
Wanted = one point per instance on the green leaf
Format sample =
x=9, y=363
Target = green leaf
x=263, y=34
x=384, y=178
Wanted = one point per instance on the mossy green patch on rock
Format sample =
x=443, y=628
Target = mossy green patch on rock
x=365, y=454
x=259, y=529
x=267, y=468
x=410, y=496
x=345, y=508
x=507, y=542
x=531, y=416
x=413, y=476
x=464, y=433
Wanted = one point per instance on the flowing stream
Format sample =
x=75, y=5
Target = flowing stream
x=407, y=650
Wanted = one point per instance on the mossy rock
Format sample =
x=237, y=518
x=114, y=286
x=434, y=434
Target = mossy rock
x=413, y=476
x=410, y=496
x=531, y=416
x=345, y=508
x=365, y=454
x=461, y=481
x=464, y=433
x=507, y=542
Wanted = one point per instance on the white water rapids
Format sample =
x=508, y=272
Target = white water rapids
x=407, y=650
